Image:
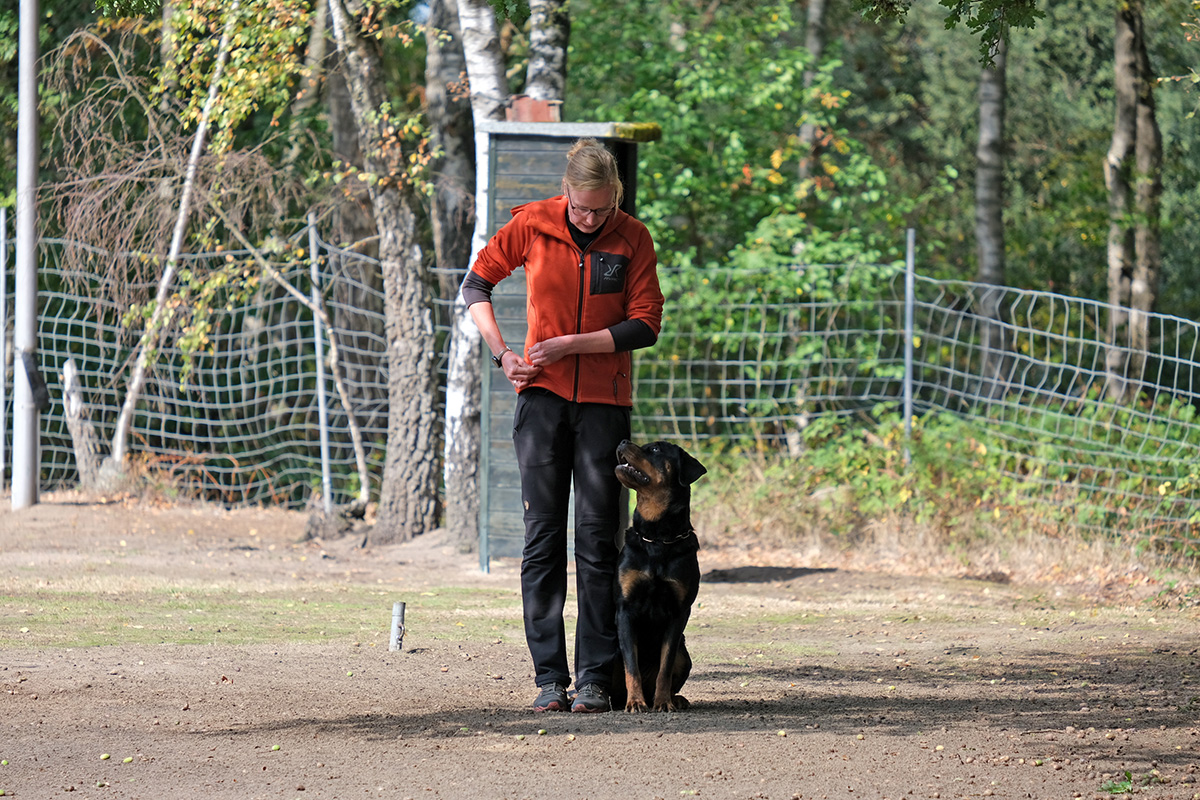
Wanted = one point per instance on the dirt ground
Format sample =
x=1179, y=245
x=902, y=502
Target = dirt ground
x=811, y=681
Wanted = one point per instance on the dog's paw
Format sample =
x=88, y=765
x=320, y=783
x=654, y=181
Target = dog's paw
x=666, y=704
x=634, y=706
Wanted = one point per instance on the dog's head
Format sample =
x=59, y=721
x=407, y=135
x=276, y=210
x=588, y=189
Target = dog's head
x=656, y=467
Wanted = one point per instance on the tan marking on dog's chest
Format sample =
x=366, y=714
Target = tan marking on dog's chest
x=680, y=589
x=652, y=505
x=630, y=580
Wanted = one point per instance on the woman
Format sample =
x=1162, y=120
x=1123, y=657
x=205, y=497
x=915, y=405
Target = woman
x=593, y=296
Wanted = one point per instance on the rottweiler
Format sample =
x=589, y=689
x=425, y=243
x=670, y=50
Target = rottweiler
x=658, y=575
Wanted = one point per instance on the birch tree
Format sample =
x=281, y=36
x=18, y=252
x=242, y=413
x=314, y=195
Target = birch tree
x=989, y=222
x=113, y=466
x=246, y=194
x=1133, y=175
x=452, y=218
x=549, y=34
x=484, y=62
x=814, y=43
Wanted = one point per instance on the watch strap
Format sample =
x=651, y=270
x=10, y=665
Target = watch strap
x=498, y=359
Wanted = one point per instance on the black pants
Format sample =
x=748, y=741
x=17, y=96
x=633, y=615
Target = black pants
x=557, y=441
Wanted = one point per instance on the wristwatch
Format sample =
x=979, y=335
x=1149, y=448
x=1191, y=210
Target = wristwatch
x=498, y=359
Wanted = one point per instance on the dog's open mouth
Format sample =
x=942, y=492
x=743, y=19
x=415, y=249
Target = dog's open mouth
x=632, y=473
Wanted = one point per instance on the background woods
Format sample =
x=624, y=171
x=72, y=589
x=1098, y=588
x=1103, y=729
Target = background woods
x=1049, y=149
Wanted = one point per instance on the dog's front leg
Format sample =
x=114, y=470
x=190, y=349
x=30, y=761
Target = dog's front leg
x=635, y=696
x=664, y=694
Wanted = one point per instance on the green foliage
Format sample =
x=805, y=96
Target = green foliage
x=57, y=21
x=990, y=20
x=515, y=10
x=726, y=89
x=949, y=480
x=129, y=8
x=1114, y=786
x=267, y=50
x=968, y=476
x=1192, y=26
x=1131, y=784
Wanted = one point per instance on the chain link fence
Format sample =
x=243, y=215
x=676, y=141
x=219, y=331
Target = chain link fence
x=747, y=359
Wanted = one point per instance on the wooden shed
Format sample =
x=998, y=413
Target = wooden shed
x=524, y=161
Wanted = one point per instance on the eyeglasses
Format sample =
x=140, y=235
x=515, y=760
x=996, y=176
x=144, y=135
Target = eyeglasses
x=599, y=213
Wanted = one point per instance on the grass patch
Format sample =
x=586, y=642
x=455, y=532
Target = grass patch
x=49, y=618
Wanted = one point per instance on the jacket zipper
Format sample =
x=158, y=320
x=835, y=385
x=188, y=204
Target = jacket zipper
x=579, y=316
x=582, y=289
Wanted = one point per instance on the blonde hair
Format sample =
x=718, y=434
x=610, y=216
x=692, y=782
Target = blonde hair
x=591, y=167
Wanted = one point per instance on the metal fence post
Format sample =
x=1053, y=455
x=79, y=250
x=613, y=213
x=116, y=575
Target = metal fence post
x=909, y=283
x=319, y=347
x=26, y=424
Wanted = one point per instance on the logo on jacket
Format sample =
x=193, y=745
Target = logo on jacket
x=608, y=273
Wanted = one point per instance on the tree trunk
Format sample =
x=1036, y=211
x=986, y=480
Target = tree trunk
x=452, y=134
x=453, y=218
x=814, y=42
x=550, y=32
x=79, y=425
x=1118, y=169
x=1143, y=292
x=408, y=501
x=489, y=96
x=989, y=224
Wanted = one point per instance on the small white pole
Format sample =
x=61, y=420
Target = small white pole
x=396, y=642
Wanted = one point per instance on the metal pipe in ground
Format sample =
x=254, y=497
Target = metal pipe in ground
x=396, y=640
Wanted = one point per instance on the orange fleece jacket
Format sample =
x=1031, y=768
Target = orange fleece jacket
x=615, y=279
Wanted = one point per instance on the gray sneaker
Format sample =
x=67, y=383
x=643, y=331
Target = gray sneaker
x=591, y=699
x=552, y=697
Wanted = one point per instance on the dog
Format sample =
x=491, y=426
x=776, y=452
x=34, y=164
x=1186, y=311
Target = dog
x=658, y=575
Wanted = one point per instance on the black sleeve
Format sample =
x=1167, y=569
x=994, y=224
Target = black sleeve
x=476, y=290
x=632, y=334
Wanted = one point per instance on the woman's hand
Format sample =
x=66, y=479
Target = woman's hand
x=550, y=350
x=519, y=373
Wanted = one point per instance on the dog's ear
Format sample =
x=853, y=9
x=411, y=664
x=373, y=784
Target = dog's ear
x=690, y=469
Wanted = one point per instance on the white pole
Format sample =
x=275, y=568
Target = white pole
x=319, y=347
x=25, y=413
x=3, y=333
